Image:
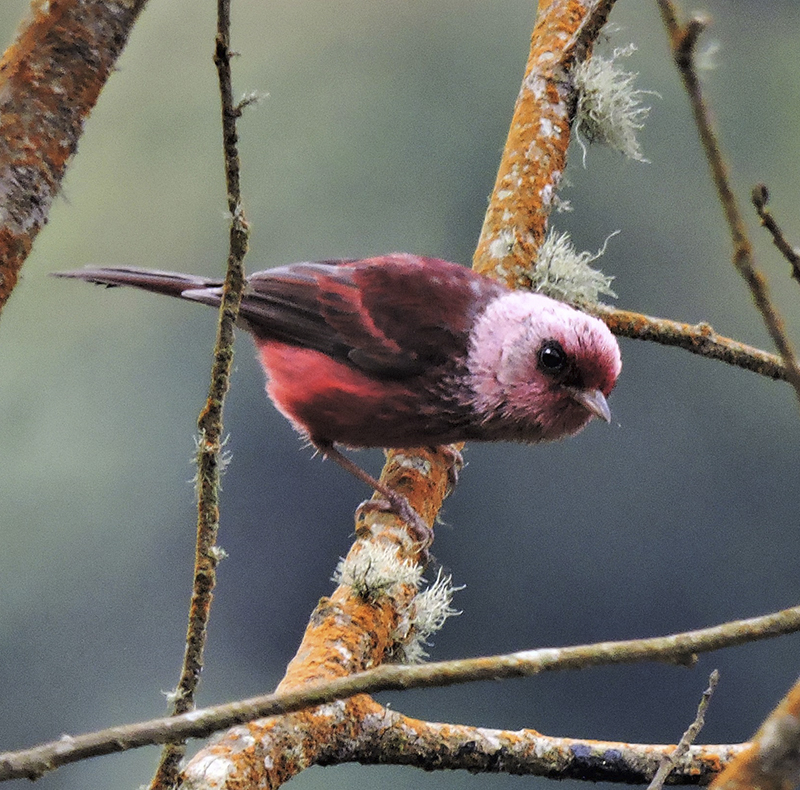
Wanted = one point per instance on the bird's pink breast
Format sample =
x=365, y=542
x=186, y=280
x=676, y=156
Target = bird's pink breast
x=329, y=400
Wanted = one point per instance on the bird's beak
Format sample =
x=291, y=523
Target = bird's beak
x=594, y=401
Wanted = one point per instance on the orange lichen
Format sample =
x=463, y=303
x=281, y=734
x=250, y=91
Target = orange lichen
x=50, y=78
x=772, y=761
x=536, y=148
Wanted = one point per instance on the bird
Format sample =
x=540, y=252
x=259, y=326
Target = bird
x=401, y=350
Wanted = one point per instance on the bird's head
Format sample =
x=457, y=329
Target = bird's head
x=541, y=366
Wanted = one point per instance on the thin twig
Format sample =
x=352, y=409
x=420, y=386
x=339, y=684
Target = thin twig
x=670, y=760
x=700, y=339
x=683, y=40
x=676, y=648
x=760, y=197
x=210, y=460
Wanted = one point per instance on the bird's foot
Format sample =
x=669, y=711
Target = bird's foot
x=392, y=502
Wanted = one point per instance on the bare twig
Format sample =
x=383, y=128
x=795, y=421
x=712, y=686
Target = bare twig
x=760, y=197
x=683, y=39
x=50, y=79
x=677, y=648
x=209, y=446
x=669, y=761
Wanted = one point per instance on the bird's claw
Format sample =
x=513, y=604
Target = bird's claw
x=399, y=505
x=455, y=463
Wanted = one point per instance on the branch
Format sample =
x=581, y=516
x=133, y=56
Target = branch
x=700, y=339
x=50, y=78
x=760, y=197
x=362, y=731
x=395, y=739
x=371, y=617
x=533, y=160
x=210, y=461
x=342, y=626
x=683, y=40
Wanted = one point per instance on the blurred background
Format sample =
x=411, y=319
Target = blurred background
x=382, y=132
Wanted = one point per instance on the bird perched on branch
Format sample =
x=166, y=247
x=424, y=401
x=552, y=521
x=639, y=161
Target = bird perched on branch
x=402, y=351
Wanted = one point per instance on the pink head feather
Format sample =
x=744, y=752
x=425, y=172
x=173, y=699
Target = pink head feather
x=519, y=398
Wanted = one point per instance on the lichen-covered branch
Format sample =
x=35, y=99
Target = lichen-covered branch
x=50, y=78
x=372, y=616
x=266, y=753
x=352, y=631
x=360, y=730
x=534, y=156
x=535, y=152
x=393, y=738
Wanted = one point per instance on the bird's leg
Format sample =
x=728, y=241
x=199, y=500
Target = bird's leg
x=394, y=501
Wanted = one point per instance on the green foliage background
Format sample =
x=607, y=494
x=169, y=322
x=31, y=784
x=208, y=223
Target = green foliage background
x=382, y=132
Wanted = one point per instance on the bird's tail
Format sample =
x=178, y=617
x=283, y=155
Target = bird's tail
x=184, y=286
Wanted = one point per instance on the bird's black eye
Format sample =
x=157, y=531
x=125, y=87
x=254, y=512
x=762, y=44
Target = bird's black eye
x=552, y=358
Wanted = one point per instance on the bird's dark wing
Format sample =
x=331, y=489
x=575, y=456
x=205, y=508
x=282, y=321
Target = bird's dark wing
x=392, y=316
